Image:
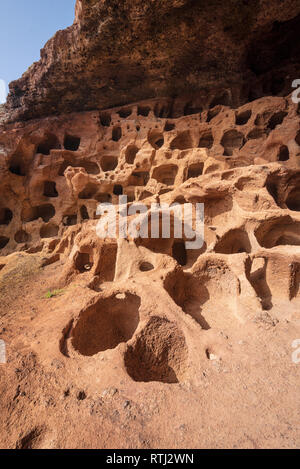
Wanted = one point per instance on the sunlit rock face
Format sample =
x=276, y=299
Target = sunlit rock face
x=137, y=342
x=117, y=53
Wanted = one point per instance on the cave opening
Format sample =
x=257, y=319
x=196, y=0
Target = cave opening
x=50, y=189
x=71, y=143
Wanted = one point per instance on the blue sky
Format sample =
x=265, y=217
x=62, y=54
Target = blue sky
x=25, y=27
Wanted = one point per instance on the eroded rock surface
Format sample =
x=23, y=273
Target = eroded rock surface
x=143, y=343
x=195, y=52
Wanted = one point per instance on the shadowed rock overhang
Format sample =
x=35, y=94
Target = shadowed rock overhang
x=204, y=53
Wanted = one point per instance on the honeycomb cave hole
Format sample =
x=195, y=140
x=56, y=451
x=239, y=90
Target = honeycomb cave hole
x=272, y=187
x=159, y=353
x=105, y=119
x=242, y=117
x=50, y=189
x=143, y=111
x=17, y=166
x=232, y=140
x=146, y=267
x=130, y=154
x=195, y=170
x=169, y=126
x=106, y=324
x=179, y=252
x=90, y=166
x=49, y=231
x=283, y=153
x=165, y=174
x=71, y=143
x=156, y=139
x=297, y=138
x=276, y=119
x=3, y=241
x=183, y=141
x=83, y=261
x=212, y=113
x=256, y=133
x=84, y=213
x=116, y=134
x=6, y=216
x=50, y=142
x=46, y=212
x=140, y=178
x=118, y=190
x=70, y=220
x=22, y=237
x=103, y=198
x=163, y=110
x=234, y=242
x=124, y=113
x=206, y=139
x=293, y=200
x=278, y=232
x=108, y=163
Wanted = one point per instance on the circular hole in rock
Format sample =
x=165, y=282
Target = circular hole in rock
x=195, y=170
x=118, y=189
x=179, y=252
x=183, y=141
x=233, y=242
x=293, y=200
x=50, y=142
x=232, y=140
x=143, y=111
x=206, y=139
x=3, y=241
x=165, y=174
x=71, y=143
x=213, y=113
x=106, y=324
x=108, y=163
x=70, y=220
x=105, y=119
x=283, y=153
x=130, y=154
x=83, y=261
x=116, y=134
x=22, y=237
x=169, y=126
x=46, y=212
x=6, y=216
x=243, y=117
x=81, y=396
x=50, y=189
x=17, y=166
x=124, y=113
x=276, y=119
x=146, y=267
x=156, y=139
x=159, y=353
x=256, y=133
x=49, y=231
x=84, y=213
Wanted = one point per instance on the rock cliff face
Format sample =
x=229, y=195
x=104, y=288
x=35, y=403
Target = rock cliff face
x=203, y=53
x=144, y=343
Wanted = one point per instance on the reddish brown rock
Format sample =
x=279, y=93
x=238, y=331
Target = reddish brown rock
x=143, y=343
x=197, y=53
